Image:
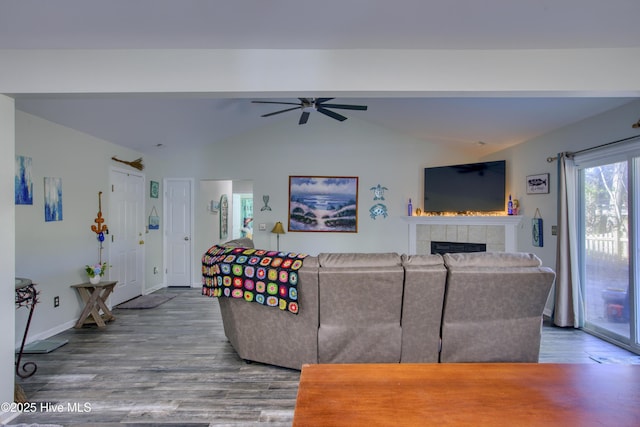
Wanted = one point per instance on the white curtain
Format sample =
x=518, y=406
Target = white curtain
x=568, y=309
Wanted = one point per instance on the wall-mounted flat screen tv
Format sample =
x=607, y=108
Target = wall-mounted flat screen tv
x=472, y=187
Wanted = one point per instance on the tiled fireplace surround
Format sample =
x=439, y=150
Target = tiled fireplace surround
x=498, y=232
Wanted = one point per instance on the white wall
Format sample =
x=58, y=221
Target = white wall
x=339, y=72
x=376, y=155
x=207, y=227
x=530, y=159
x=7, y=259
x=269, y=155
x=53, y=254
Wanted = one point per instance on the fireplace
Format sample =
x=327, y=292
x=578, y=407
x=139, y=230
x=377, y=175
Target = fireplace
x=454, y=247
x=498, y=233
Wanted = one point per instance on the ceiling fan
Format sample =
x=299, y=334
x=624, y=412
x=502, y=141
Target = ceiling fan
x=307, y=105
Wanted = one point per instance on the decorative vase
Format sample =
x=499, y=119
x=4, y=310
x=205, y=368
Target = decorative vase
x=94, y=280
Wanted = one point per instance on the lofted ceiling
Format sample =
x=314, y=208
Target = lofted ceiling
x=143, y=121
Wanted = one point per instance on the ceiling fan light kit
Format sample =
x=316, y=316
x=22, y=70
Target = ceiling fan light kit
x=309, y=105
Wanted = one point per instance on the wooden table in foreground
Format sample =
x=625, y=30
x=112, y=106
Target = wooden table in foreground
x=95, y=298
x=498, y=394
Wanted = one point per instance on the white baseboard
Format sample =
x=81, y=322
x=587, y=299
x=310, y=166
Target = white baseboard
x=155, y=288
x=46, y=334
x=5, y=417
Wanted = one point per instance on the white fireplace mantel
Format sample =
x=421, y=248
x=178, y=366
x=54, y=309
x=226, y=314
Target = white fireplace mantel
x=509, y=222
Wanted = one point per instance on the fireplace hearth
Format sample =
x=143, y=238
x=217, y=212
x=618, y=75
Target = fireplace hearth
x=456, y=247
x=498, y=233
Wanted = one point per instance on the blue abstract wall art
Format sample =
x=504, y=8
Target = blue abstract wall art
x=53, y=199
x=24, y=181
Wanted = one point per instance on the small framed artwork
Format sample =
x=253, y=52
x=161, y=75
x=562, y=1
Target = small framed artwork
x=323, y=203
x=538, y=184
x=154, y=189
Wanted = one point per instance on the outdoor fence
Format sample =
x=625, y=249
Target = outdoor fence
x=608, y=245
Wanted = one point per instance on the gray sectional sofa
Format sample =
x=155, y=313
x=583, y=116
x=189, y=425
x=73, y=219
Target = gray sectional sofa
x=391, y=308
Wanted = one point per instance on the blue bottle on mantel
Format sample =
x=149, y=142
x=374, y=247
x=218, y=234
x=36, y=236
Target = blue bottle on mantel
x=410, y=208
x=510, y=206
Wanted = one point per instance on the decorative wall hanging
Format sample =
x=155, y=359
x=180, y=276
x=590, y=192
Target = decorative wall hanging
x=100, y=228
x=154, y=219
x=137, y=163
x=379, y=209
x=154, y=189
x=265, y=199
x=538, y=184
x=323, y=203
x=536, y=229
x=53, y=199
x=24, y=181
x=378, y=192
x=224, y=217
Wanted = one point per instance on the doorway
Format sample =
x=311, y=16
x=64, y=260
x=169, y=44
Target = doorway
x=178, y=243
x=126, y=234
x=609, y=260
x=240, y=210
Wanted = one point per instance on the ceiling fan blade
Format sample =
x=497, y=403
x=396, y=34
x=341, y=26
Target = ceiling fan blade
x=321, y=100
x=304, y=117
x=331, y=114
x=274, y=102
x=346, y=106
x=281, y=111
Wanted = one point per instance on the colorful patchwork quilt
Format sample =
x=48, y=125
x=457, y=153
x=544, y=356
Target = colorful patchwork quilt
x=269, y=278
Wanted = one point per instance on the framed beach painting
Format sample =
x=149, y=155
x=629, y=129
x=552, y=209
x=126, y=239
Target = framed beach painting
x=323, y=203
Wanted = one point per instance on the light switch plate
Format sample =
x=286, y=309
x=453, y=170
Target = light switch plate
x=262, y=227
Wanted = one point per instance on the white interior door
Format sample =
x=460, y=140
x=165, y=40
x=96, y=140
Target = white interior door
x=126, y=234
x=178, y=243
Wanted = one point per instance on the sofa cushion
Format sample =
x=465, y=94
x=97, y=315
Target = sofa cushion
x=359, y=259
x=422, y=260
x=424, y=283
x=360, y=308
x=359, y=344
x=493, y=307
x=243, y=242
x=491, y=259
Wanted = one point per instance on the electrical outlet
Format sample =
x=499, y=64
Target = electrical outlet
x=56, y=301
x=554, y=230
x=155, y=270
x=262, y=227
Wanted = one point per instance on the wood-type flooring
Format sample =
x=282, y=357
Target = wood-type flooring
x=173, y=366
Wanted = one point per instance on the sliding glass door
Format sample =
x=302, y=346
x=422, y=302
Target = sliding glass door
x=608, y=193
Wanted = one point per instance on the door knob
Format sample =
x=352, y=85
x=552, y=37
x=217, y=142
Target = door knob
x=141, y=242
x=186, y=238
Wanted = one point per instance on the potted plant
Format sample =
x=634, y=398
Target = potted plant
x=96, y=272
